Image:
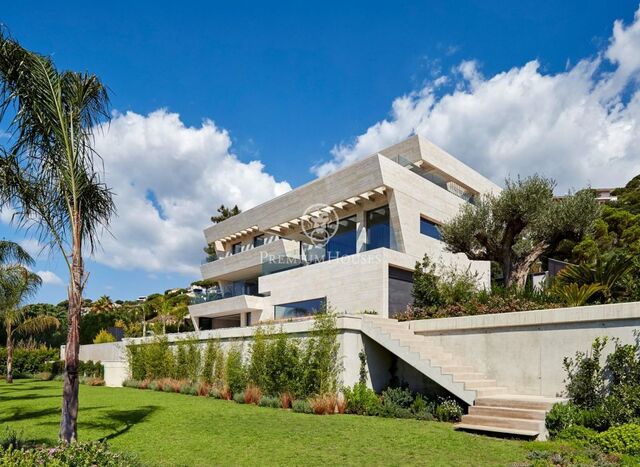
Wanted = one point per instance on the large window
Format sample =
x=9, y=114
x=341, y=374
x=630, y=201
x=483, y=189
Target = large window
x=400, y=287
x=343, y=242
x=299, y=309
x=428, y=228
x=378, y=229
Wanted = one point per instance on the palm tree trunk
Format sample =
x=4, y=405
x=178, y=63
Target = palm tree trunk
x=68, y=423
x=9, y=354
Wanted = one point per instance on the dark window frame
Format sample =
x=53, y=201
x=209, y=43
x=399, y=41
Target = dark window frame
x=385, y=243
x=430, y=228
x=255, y=240
x=233, y=248
x=322, y=301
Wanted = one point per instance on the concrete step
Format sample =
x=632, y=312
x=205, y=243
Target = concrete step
x=500, y=422
x=455, y=369
x=490, y=391
x=517, y=401
x=506, y=412
x=468, y=376
x=510, y=431
x=479, y=383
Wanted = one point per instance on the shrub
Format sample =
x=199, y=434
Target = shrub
x=361, y=400
x=301, y=406
x=585, y=376
x=209, y=361
x=321, y=366
x=578, y=434
x=425, y=290
x=10, y=438
x=448, y=411
x=341, y=403
x=167, y=387
x=144, y=384
x=363, y=376
x=153, y=385
x=93, y=381
x=154, y=360
x=185, y=388
x=238, y=397
x=236, y=375
x=284, y=370
x=130, y=383
x=226, y=394
x=104, y=337
x=268, y=401
x=560, y=417
x=74, y=454
x=215, y=393
x=623, y=439
x=400, y=397
x=324, y=404
x=419, y=406
x=202, y=389
x=285, y=400
x=45, y=376
x=396, y=403
x=28, y=361
x=252, y=394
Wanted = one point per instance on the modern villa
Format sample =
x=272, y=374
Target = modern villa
x=350, y=240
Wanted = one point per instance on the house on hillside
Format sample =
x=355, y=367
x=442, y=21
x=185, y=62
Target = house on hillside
x=350, y=239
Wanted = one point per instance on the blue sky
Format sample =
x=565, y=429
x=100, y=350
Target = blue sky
x=304, y=87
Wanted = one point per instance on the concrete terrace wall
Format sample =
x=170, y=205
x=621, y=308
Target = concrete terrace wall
x=524, y=350
x=109, y=352
x=349, y=337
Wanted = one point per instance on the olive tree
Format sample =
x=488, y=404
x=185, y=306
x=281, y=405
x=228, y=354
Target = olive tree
x=514, y=228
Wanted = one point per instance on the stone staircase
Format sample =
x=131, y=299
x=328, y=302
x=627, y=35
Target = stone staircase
x=491, y=408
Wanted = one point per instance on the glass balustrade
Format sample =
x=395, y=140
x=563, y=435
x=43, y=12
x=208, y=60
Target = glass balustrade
x=436, y=179
x=232, y=290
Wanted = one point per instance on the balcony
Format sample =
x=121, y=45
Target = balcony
x=437, y=179
x=220, y=293
x=248, y=263
x=224, y=306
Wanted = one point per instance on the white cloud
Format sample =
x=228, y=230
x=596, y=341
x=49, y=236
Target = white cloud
x=33, y=247
x=169, y=179
x=50, y=278
x=580, y=126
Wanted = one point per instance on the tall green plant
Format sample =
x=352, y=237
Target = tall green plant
x=321, y=365
x=49, y=176
x=425, y=291
x=609, y=273
x=234, y=369
x=209, y=360
x=17, y=284
x=585, y=383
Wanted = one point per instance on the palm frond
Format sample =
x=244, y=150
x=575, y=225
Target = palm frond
x=37, y=324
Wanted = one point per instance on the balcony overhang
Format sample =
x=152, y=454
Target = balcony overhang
x=227, y=306
x=340, y=208
x=248, y=263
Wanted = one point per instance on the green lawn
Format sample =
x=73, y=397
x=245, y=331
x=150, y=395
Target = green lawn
x=175, y=429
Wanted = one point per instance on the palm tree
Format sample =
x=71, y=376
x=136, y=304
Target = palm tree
x=48, y=175
x=17, y=283
x=102, y=305
x=169, y=311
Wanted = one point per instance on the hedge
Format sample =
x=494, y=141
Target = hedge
x=28, y=361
